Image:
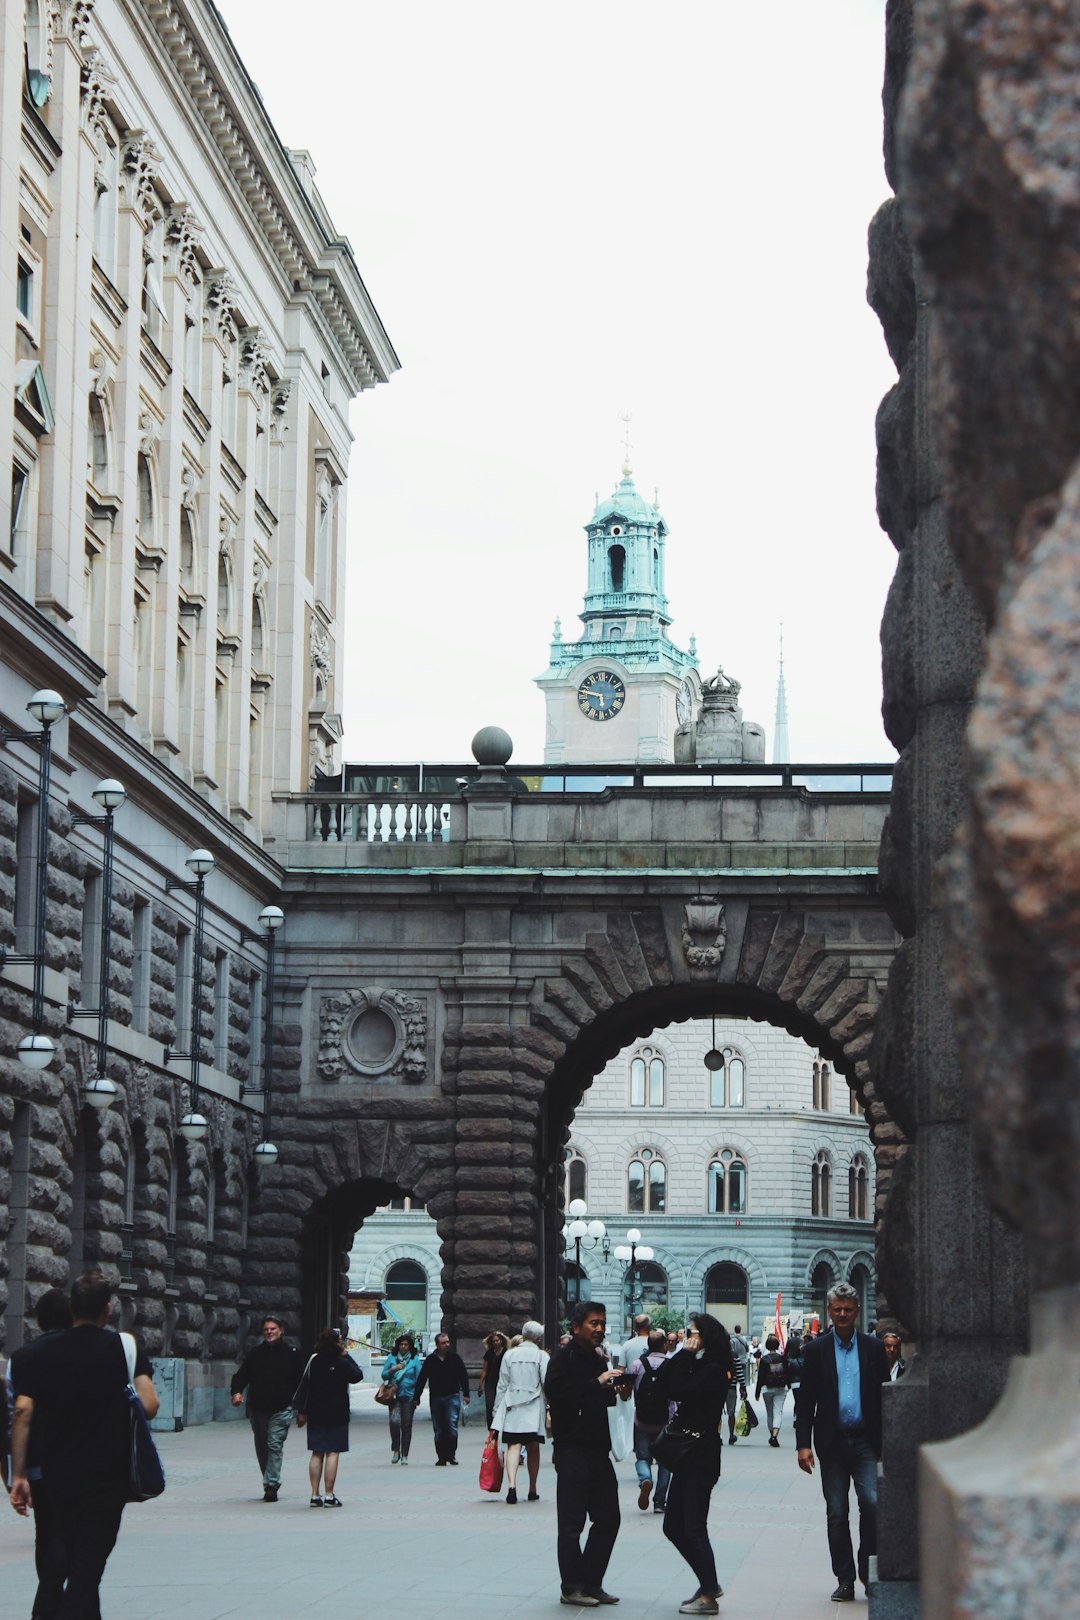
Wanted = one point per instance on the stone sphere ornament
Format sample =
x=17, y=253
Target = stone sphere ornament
x=492, y=746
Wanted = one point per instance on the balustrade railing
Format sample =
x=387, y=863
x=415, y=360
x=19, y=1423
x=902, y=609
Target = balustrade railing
x=380, y=819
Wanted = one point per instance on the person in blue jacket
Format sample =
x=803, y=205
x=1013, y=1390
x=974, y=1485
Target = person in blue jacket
x=401, y=1369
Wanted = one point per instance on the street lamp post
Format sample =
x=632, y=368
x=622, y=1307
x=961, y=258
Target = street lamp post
x=270, y=920
x=630, y=1253
x=37, y=1050
x=99, y=1091
x=200, y=863
x=580, y=1231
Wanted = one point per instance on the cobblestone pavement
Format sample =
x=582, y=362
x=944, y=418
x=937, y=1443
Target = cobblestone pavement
x=426, y=1542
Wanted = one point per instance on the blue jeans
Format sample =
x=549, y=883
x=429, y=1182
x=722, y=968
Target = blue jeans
x=643, y=1461
x=850, y=1457
x=445, y=1412
x=270, y=1429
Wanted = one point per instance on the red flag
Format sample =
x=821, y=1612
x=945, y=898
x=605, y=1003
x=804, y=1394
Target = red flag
x=779, y=1324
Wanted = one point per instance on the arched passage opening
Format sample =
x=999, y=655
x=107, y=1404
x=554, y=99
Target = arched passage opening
x=636, y=1147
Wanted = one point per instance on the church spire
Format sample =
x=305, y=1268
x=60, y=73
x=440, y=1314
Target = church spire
x=781, y=749
x=626, y=419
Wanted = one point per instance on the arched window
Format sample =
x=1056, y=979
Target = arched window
x=406, y=1279
x=647, y=1079
x=821, y=1185
x=858, y=1189
x=727, y=1294
x=646, y=1183
x=727, y=1184
x=146, y=502
x=576, y=1176
x=822, y=1087
x=258, y=633
x=99, y=444
x=187, y=551
x=645, y=1288
x=617, y=566
x=727, y=1085
x=821, y=1280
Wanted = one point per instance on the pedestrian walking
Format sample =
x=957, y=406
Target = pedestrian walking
x=444, y=1371
x=495, y=1347
x=322, y=1403
x=772, y=1376
x=651, y=1411
x=71, y=1416
x=636, y=1347
x=53, y=1315
x=580, y=1388
x=400, y=1371
x=520, y=1412
x=838, y=1409
x=269, y=1373
x=697, y=1377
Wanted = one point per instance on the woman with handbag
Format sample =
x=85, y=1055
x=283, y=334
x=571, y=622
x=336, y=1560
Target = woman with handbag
x=322, y=1402
x=400, y=1371
x=521, y=1409
x=697, y=1377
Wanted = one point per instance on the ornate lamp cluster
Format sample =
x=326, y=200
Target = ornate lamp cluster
x=37, y=1050
x=629, y=1253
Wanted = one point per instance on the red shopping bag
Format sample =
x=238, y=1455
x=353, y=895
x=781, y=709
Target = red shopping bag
x=491, y=1468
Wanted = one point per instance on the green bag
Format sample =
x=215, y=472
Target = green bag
x=742, y=1422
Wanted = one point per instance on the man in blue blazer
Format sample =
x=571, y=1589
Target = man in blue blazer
x=838, y=1409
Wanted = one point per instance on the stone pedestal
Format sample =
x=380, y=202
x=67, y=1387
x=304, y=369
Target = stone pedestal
x=1000, y=1507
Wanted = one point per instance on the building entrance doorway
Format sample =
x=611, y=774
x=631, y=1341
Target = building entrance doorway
x=727, y=1295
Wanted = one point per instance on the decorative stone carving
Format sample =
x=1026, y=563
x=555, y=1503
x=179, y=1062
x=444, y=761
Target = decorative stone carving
x=101, y=373
x=254, y=359
x=139, y=162
x=219, y=305
x=149, y=432
x=279, y=405
x=704, y=935
x=721, y=691
x=182, y=232
x=319, y=647
x=96, y=82
x=379, y=1034
x=189, y=489
x=70, y=19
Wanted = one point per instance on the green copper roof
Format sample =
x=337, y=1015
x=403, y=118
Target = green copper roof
x=625, y=502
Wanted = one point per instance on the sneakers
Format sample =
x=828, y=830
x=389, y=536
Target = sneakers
x=394, y=1458
x=316, y=1501
x=441, y=1463
x=452, y=1461
x=845, y=1592
x=774, y=1441
x=600, y=1595
x=579, y=1600
x=659, y=1507
x=270, y=1493
x=644, y=1492
x=701, y=1605
x=404, y=1462
x=332, y=1501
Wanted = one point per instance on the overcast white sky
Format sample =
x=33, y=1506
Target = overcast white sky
x=563, y=213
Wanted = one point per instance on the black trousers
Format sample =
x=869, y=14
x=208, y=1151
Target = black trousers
x=76, y=1532
x=587, y=1489
x=686, y=1522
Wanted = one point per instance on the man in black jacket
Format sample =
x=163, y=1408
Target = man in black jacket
x=838, y=1408
x=446, y=1375
x=270, y=1374
x=580, y=1388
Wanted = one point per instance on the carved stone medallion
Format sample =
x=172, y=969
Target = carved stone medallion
x=375, y=1033
x=704, y=935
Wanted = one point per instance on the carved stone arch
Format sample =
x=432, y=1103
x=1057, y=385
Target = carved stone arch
x=861, y=1257
x=420, y=1254
x=728, y=1139
x=725, y=1254
x=827, y=1257
x=645, y=1138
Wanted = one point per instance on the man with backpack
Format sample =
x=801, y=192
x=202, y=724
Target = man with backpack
x=651, y=1412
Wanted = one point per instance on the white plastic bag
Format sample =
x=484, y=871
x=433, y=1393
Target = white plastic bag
x=621, y=1427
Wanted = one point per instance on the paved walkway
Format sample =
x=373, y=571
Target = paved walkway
x=426, y=1543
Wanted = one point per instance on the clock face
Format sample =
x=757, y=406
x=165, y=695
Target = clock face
x=601, y=695
x=684, y=703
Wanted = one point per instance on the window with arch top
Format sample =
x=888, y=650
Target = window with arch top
x=577, y=1176
x=646, y=1183
x=821, y=1185
x=822, y=1087
x=727, y=1084
x=647, y=1079
x=727, y=1184
x=858, y=1189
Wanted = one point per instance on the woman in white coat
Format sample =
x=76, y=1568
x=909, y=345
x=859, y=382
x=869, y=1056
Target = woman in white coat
x=520, y=1408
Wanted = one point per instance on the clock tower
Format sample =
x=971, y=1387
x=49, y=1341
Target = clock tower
x=623, y=691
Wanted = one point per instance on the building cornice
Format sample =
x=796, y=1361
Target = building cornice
x=43, y=652
x=196, y=41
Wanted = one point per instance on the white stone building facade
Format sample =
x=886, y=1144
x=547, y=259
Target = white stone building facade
x=186, y=330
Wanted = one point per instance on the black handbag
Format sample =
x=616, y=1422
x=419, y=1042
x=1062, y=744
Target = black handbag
x=146, y=1472
x=673, y=1445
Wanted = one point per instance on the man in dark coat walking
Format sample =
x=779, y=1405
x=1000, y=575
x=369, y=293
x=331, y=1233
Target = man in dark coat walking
x=838, y=1414
x=270, y=1374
